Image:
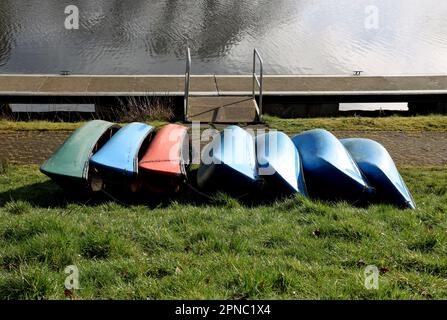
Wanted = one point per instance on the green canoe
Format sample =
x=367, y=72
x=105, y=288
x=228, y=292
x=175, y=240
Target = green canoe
x=70, y=163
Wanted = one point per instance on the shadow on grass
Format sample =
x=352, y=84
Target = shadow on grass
x=44, y=195
x=49, y=195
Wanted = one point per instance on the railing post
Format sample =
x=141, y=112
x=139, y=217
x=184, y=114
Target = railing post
x=187, y=84
x=254, y=74
x=260, y=81
x=261, y=88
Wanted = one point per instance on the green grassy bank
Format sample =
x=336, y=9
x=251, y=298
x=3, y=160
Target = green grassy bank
x=416, y=123
x=294, y=248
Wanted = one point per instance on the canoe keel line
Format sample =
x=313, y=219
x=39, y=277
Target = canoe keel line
x=140, y=160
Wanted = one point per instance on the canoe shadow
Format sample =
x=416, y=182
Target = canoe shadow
x=44, y=195
x=49, y=195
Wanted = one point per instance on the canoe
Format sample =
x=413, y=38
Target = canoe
x=118, y=159
x=279, y=163
x=329, y=169
x=228, y=163
x=165, y=162
x=69, y=165
x=378, y=167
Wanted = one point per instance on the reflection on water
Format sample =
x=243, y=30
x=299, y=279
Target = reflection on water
x=294, y=36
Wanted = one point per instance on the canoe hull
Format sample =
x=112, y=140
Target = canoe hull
x=117, y=160
x=279, y=164
x=164, y=166
x=229, y=162
x=330, y=171
x=379, y=168
x=69, y=165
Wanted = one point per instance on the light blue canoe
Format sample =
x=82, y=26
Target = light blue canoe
x=330, y=171
x=279, y=163
x=120, y=155
x=378, y=167
x=229, y=162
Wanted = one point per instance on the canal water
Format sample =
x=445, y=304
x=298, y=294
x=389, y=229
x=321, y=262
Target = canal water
x=293, y=36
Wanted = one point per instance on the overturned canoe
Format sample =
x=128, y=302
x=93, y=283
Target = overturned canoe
x=118, y=158
x=164, y=164
x=330, y=171
x=378, y=167
x=279, y=163
x=70, y=163
x=229, y=162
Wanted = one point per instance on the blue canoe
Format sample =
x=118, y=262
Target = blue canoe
x=279, y=163
x=229, y=162
x=378, y=167
x=330, y=171
x=120, y=155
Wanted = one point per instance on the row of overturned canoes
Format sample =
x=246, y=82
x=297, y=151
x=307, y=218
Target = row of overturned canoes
x=138, y=158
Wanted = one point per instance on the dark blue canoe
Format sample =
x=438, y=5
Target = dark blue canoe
x=329, y=169
x=229, y=162
x=119, y=156
x=378, y=167
x=279, y=163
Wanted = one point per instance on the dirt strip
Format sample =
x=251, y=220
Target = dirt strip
x=406, y=148
x=30, y=147
x=426, y=148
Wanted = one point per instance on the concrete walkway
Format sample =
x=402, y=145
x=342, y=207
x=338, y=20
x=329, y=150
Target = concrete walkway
x=214, y=85
x=222, y=109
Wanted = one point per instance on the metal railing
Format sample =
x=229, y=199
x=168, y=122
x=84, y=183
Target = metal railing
x=187, y=83
x=258, y=80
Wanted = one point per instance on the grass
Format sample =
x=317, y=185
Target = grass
x=6, y=125
x=291, y=249
x=416, y=123
x=143, y=109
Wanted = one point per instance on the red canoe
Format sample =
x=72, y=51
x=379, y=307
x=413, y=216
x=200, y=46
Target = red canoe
x=166, y=158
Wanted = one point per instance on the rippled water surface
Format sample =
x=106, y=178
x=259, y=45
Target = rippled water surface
x=294, y=36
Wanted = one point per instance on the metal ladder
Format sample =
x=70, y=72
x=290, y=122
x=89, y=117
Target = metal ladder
x=258, y=84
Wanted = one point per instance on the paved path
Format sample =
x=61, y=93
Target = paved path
x=407, y=149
